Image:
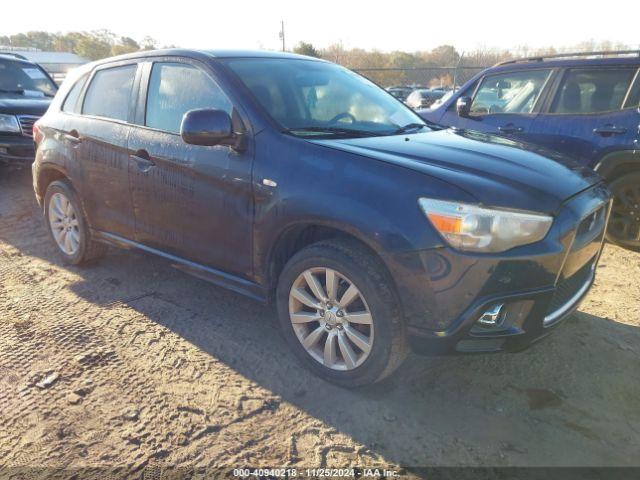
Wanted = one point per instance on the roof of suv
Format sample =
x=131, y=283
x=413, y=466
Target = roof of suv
x=206, y=53
x=630, y=57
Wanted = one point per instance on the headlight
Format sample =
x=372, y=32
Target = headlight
x=9, y=123
x=477, y=229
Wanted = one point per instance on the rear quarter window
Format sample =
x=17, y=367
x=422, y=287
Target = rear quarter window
x=71, y=103
x=109, y=94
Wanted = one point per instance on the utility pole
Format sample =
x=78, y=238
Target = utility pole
x=455, y=72
x=282, y=33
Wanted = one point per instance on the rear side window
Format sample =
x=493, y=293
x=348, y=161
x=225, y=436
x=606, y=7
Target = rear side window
x=592, y=90
x=514, y=92
x=71, y=104
x=176, y=88
x=109, y=93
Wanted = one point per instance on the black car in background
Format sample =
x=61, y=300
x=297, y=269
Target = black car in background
x=26, y=91
x=424, y=98
x=400, y=92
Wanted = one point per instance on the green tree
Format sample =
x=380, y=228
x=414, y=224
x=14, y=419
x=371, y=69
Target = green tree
x=92, y=47
x=304, y=48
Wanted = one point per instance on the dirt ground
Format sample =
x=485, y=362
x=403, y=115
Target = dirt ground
x=135, y=364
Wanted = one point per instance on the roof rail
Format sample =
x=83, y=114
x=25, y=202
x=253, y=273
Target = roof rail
x=542, y=58
x=13, y=54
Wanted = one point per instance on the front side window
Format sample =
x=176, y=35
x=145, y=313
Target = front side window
x=311, y=98
x=25, y=79
x=514, y=92
x=109, y=94
x=71, y=104
x=176, y=88
x=592, y=90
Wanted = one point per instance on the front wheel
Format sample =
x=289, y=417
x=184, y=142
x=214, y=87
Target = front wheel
x=624, y=223
x=340, y=315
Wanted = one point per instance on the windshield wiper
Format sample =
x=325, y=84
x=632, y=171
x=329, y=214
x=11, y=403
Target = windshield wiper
x=409, y=126
x=333, y=131
x=22, y=92
x=17, y=92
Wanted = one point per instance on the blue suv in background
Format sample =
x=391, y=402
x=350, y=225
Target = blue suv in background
x=584, y=107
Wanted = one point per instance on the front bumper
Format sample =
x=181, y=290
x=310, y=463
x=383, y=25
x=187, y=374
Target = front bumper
x=444, y=292
x=526, y=318
x=16, y=149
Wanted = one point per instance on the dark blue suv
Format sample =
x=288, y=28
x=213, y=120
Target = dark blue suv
x=584, y=107
x=292, y=179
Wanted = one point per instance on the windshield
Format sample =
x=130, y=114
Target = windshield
x=312, y=98
x=24, y=79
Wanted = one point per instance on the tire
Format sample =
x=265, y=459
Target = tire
x=375, y=302
x=75, y=227
x=624, y=223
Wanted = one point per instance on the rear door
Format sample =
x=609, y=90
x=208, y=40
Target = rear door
x=195, y=202
x=505, y=103
x=593, y=110
x=99, y=137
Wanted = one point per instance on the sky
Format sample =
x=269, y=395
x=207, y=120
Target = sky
x=383, y=25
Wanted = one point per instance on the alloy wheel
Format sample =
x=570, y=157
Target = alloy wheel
x=64, y=224
x=331, y=318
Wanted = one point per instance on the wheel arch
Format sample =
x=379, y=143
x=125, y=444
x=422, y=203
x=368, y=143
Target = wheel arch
x=616, y=164
x=48, y=173
x=300, y=235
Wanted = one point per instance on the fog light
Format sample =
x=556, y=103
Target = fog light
x=3, y=150
x=492, y=317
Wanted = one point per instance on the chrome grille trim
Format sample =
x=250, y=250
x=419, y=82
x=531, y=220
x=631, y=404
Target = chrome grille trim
x=573, y=301
x=26, y=124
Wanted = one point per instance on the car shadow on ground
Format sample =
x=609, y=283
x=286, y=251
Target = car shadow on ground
x=569, y=400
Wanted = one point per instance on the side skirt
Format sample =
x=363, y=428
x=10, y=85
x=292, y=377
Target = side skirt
x=211, y=275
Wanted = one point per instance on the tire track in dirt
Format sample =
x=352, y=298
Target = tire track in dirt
x=155, y=368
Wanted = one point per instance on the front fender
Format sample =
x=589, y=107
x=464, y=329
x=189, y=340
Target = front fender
x=373, y=201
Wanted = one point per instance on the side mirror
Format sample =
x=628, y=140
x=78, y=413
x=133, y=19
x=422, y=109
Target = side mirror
x=463, y=106
x=206, y=127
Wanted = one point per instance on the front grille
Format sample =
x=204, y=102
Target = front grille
x=563, y=297
x=26, y=124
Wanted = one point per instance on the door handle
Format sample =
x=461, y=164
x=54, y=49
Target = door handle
x=608, y=130
x=510, y=128
x=72, y=137
x=143, y=161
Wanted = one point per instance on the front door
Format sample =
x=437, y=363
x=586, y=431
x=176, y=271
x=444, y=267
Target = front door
x=504, y=103
x=191, y=201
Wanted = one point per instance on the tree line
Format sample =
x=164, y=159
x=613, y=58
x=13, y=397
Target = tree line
x=90, y=45
x=426, y=67
x=386, y=68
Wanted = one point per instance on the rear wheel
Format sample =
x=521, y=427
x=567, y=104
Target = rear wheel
x=340, y=315
x=68, y=226
x=624, y=223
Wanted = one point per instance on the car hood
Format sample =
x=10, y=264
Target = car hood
x=21, y=105
x=495, y=170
